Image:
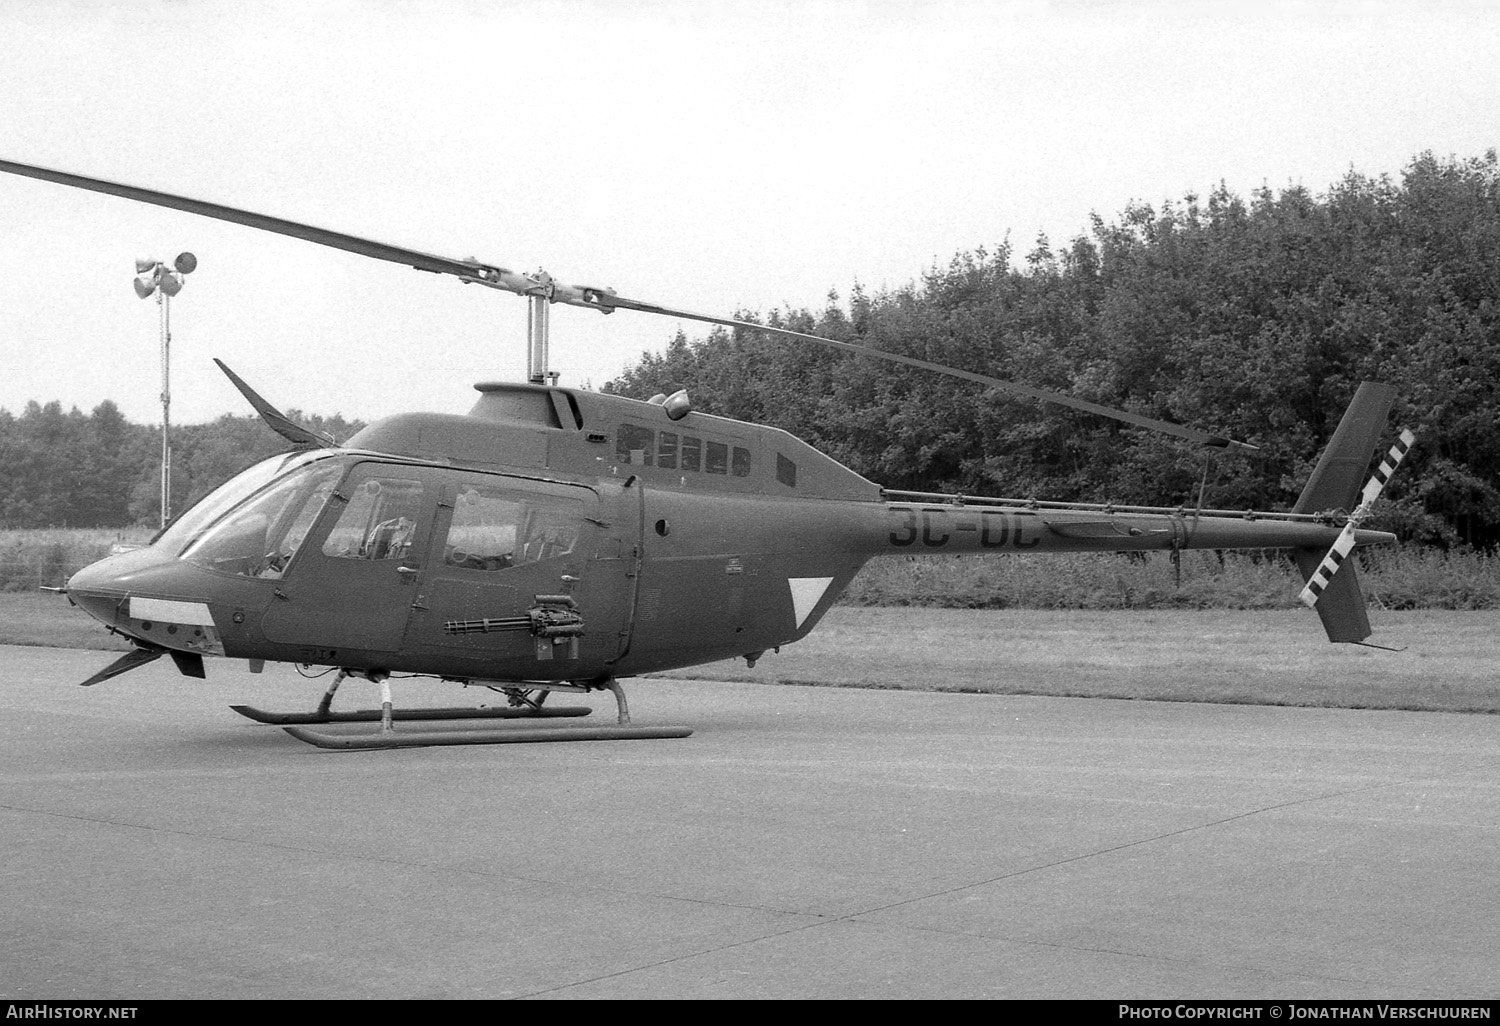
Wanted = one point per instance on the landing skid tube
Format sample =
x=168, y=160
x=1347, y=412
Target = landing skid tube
x=500, y=736
x=375, y=715
x=527, y=704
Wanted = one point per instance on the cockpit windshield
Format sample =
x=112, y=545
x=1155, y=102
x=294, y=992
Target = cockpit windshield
x=186, y=528
x=268, y=516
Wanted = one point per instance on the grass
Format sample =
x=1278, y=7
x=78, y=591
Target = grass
x=1270, y=657
x=1411, y=578
x=1259, y=657
x=45, y=558
x=1095, y=626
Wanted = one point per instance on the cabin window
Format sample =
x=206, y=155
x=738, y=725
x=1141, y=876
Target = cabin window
x=379, y=521
x=493, y=528
x=741, y=464
x=718, y=458
x=634, y=444
x=692, y=453
x=547, y=532
x=786, y=471
x=482, y=535
x=666, y=452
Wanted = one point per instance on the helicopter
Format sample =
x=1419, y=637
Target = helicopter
x=559, y=539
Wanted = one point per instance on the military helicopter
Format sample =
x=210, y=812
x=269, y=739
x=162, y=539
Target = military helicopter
x=557, y=539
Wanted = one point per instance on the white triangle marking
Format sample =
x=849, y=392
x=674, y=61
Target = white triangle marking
x=806, y=592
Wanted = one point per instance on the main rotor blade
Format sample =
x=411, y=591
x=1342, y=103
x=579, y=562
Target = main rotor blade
x=322, y=236
x=603, y=300
x=1166, y=427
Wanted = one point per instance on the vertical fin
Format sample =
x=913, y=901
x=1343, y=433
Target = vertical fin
x=1341, y=469
x=1333, y=580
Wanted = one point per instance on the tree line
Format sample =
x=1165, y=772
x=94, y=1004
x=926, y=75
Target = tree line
x=1253, y=317
x=99, y=470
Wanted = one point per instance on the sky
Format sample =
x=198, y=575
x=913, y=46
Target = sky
x=712, y=156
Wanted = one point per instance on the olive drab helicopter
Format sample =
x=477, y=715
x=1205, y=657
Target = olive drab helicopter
x=558, y=539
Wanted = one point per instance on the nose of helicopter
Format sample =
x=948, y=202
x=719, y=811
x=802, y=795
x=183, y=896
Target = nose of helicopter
x=128, y=593
x=86, y=590
x=101, y=589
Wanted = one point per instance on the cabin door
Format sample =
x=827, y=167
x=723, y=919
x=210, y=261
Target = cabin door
x=522, y=581
x=353, y=585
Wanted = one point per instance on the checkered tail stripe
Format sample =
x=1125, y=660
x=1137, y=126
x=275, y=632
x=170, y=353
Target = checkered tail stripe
x=1345, y=543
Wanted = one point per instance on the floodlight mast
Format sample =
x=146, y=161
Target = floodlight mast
x=155, y=277
x=164, y=308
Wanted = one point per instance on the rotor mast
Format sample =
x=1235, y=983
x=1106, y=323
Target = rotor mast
x=541, y=291
x=538, y=325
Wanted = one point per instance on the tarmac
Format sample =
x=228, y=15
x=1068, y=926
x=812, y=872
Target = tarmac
x=802, y=843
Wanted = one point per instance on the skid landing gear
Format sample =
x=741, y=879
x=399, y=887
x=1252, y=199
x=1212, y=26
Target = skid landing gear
x=522, y=705
x=526, y=702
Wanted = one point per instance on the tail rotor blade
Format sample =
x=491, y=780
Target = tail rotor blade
x=1386, y=469
x=1318, y=582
